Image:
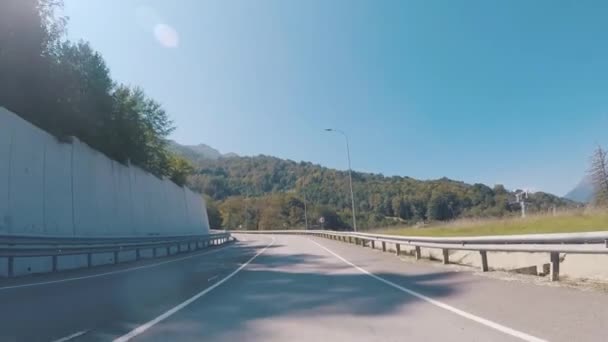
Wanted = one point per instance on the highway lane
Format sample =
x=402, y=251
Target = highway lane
x=111, y=304
x=306, y=289
x=299, y=289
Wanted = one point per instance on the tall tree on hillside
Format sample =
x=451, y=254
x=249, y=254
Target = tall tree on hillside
x=28, y=31
x=139, y=130
x=599, y=175
x=82, y=96
x=213, y=213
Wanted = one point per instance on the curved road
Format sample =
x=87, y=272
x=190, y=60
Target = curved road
x=292, y=288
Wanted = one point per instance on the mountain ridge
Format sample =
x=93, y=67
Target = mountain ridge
x=198, y=152
x=269, y=192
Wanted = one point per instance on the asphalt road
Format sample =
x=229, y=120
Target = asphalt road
x=291, y=288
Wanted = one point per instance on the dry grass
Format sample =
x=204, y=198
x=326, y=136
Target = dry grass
x=564, y=222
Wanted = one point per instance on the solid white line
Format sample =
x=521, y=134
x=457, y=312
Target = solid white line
x=74, y=335
x=189, y=301
x=480, y=320
x=215, y=276
x=112, y=272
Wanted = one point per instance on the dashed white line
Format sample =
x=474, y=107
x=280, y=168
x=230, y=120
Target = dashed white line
x=480, y=320
x=214, y=277
x=112, y=272
x=142, y=328
x=74, y=335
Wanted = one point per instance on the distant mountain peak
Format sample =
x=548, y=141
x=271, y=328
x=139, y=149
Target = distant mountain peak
x=199, y=152
x=582, y=192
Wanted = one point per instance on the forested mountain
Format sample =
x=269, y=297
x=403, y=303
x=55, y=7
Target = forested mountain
x=265, y=192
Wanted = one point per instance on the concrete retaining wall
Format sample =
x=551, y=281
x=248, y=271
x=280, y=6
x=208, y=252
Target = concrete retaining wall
x=49, y=188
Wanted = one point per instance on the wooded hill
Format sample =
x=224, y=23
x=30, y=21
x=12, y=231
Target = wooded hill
x=265, y=192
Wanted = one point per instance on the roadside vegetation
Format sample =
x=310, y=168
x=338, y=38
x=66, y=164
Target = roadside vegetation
x=564, y=222
x=65, y=88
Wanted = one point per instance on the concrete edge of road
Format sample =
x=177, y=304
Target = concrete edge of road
x=488, y=323
x=92, y=274
x=142, y=328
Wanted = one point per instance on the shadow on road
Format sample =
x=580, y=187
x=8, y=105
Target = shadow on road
x=279, y=285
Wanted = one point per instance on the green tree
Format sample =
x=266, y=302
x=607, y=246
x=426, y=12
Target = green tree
x=213, y=213
x=599, y=176
x=179, y=169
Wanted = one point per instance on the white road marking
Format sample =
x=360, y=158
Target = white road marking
x=112, y=272
x=480, y=320
x=74, y=335
x=215, y=276
x=139, y=330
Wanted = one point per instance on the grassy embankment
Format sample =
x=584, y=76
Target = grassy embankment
x=567, y=222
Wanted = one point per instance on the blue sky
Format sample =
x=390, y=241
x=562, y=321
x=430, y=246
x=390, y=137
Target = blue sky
x=510, y=92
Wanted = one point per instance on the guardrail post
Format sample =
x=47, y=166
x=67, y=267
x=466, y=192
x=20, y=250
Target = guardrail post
x=383, y=246
x=89, y=260
x=54, y=257
x=11, y=266
x=357, y=241
x=168, y=250
x=397, y=249
x=446, y=256
x=484, y=261
x=418, y=253
x=554, y=266
x=137, y=255
x=154, y=252
x=373, y=244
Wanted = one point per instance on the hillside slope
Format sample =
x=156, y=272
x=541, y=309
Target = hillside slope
x=265, y=192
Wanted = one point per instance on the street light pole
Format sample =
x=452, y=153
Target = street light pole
x=305, y=215
x=350, y=176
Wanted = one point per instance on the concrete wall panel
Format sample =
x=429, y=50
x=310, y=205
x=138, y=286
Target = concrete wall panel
x=58, y=188
x=69, y=262
x=26, y=204
x=7, y=123
x=106, y=207
x=31, y=265
x=85, y=191
x=123, y=202
x=69, y=189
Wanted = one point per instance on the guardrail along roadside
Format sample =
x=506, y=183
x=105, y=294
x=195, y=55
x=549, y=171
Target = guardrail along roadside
x=50, y=252
x=554, y=246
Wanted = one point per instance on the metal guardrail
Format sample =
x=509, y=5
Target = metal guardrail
x=554, y=244
x=12, y=246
